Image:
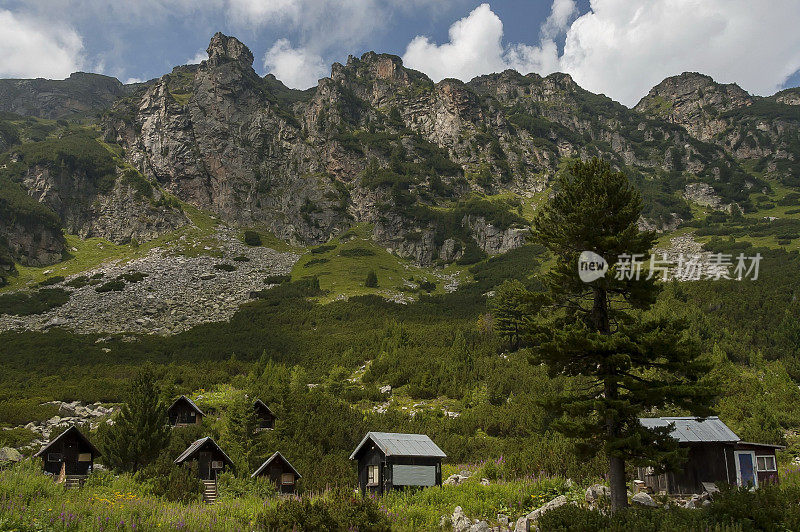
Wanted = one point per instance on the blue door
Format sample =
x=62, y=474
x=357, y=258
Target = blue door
x=745, y=465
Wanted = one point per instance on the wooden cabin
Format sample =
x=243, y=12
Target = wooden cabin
x=210, y=459
x=280, y=472
x=184, y=412
x=716, y=456
x=70, y=455
x=389, y=461
x=265, y=417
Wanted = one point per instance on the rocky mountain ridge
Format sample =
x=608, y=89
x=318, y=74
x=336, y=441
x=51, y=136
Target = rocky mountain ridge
x=442, y=170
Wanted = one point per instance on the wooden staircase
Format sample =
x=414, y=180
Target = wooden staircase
x=210, y=491
x=74, y=481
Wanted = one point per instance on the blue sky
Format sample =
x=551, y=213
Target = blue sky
x=617, y=47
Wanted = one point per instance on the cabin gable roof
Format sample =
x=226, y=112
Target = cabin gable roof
x=260, y=405
x=188, y=401
x=276, y=456
x=693, y=429
x=197, y=446
x=398, y=444
x=71, y=431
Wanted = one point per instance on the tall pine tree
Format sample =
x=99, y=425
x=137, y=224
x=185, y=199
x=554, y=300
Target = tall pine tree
x=140, y=431
x=631, y=363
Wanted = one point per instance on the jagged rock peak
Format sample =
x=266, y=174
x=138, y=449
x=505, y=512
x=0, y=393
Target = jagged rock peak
x=375, y=66
x=223, y=48
x=695, y=86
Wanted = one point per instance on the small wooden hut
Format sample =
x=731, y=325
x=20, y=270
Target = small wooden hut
x=70, y=456
x=388, y=460
x=280, y=472
x=184, y=412
x=210, y=459
x=715, y=455
x=265, y=417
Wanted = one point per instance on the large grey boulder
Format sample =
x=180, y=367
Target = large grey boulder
x=9, y=454
x=596, y=492
x=643, y=499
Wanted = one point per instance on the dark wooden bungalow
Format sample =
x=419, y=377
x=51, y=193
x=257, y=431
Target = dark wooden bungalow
x=716, y=456
x=389, y=460
x=184, y=412
x=210, y=459
x=265, y=417
x=70, y=454
x=280, y=472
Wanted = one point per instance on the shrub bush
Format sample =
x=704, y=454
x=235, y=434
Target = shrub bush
x=132, y=277
x=77, y=282
x=229, y=486
x=428, y=286
x=323, y=249
x=277, y=279
x=356, y=252
x=333, y=512
x=225, y=267
x=241, y=258
x=173, y=482
x=51, y=281
x=116, y=285
x=372, y=280
x=251, y=238
x=315, y=261
x=27, y=303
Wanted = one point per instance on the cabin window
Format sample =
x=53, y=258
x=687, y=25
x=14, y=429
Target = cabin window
x=372, y=475
x=766, y=463
x=85, y=457
x=54, y=457
x=216, y=464
x=287, y=479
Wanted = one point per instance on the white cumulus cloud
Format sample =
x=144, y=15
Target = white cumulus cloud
x=197, y=58
x=31, y=49
x=476, y=46
x=624, y=47
x=297, y=68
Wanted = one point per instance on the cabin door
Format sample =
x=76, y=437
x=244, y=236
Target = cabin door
x=71, y=458
x=746, y=468
x=204, y=465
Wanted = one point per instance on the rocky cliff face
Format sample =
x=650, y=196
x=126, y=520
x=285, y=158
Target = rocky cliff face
x=764, y=130
x=217, y=138
x=30, y=243
x=129, y=210
x=378, y=143
x=382, y=144
x=79, y=94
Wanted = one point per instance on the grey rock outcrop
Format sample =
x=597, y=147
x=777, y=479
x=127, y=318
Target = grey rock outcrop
x=119, y=215
x=80, y=94
x=525, y=523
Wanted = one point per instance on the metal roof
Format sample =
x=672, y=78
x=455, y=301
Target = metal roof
x=191, y=403
x=71, y=429
x=692, y=429
x=196, y=445
x=396, y=444
x=269, y=460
